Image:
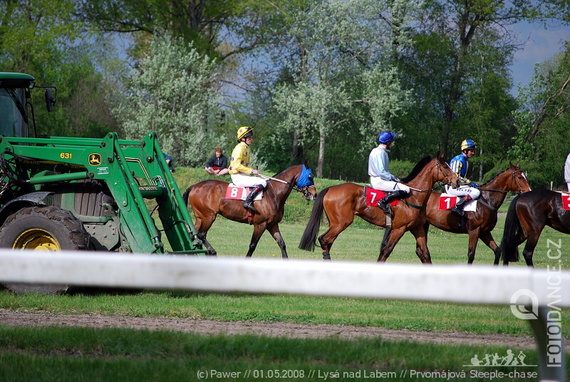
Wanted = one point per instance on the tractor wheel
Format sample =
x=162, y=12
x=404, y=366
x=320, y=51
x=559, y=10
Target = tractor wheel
x=44, y=228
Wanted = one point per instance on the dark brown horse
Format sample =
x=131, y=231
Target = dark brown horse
x=207, y=200
x=342, y=202
x=526, y=218
x=479, y=224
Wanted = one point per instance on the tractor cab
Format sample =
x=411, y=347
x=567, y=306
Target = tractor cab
x=16, y=111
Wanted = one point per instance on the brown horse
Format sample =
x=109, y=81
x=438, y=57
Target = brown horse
x=526, y=218
x=479, y=224
x=207, y=200
x=342, y=202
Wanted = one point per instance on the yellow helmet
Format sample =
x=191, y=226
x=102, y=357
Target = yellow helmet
x=244, y=132
x=468, y=144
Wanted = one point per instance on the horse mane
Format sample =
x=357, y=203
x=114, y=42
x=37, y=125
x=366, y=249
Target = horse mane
x=493, y=178
x=418, y=168
x=282, y=171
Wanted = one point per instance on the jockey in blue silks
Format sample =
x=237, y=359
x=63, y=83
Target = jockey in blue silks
x=380, y=177
x=459, y=165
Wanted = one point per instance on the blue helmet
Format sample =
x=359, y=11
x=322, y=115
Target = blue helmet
x=386, y=137
x=468, y=144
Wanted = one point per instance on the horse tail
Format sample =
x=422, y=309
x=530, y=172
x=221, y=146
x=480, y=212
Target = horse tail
x=186, y=195
x=309, y=238
x=510, y=251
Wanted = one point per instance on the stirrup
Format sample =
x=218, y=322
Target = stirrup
x=458, y=211
x=385, y=207
x=249, y=206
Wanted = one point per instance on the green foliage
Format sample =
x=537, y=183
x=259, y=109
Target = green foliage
x=521, y=147
x=171, y=93
x=542, y=129
x=46, y=39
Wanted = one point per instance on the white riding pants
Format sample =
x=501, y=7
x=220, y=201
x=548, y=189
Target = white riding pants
x=387, y=185
x=463, y=191
x=244, y=180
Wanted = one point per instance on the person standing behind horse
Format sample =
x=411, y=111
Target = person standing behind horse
x=240, y=169
x=459, y=165
x=218, y=163
x=380, y=177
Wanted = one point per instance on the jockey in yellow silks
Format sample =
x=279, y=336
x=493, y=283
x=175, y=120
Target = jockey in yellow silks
x=240, y=169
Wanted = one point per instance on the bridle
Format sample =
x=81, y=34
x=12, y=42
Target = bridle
x=438, y=165
x=303, y=190
x=514, y=180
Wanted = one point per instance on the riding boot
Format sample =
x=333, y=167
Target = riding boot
x=460, y=205
x=248, y=203
x=384, y=204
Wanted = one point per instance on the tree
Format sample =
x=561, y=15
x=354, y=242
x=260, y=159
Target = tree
x=333, y=47
x=307, y=107
x=45, y=39
x=171, y=92
x=219, y=29
x=467, y=29
x=542, y=132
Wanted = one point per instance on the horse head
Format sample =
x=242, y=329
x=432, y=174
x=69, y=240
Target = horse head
x=306, y=182
x=518, y=177
x=444, y=173
x=299, y=178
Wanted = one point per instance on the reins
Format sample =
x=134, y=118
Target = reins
x=295, y=187
x=503, y=191
x=430, y=190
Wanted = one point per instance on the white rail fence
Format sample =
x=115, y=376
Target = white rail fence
x=534, y=294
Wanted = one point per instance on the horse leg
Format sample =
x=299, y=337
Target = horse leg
x=472, y=245
x=274, y=231
x=390, y=240
x=327, y=239
x=258, y=230
x=211, y=250
x=529, y=249
x=202, y=226
x=422, y=250
x=490, y=242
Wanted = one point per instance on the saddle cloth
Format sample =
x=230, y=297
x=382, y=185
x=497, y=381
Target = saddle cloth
x=240, y=193
x=373, y=196
x=448, y=201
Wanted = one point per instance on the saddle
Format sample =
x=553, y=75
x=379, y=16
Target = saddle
x=240, y=193
x=373, y=196
x=448, y=201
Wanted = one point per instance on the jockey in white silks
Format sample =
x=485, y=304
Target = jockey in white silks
x=380, y=176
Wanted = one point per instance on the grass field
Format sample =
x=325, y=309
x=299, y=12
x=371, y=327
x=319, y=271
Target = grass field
x=83, y=354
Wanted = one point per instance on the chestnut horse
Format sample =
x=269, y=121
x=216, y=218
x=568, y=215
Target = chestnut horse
x=207, y=200
x=526, y=218
x=479, y=224
x=342, y=202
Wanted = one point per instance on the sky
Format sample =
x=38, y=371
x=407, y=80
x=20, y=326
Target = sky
x=540, y=45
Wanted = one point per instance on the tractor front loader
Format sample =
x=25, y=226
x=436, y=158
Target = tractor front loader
x=68, y=193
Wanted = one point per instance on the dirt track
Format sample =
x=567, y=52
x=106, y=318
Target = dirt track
x=9, y=318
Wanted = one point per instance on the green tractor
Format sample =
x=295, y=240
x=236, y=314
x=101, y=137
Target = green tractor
x=68, y=193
